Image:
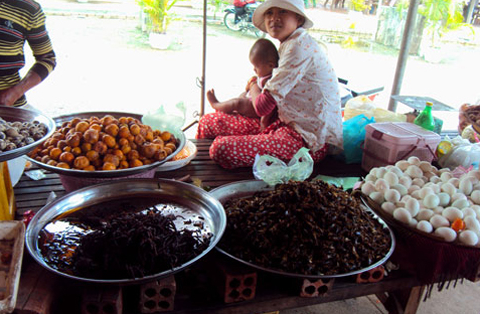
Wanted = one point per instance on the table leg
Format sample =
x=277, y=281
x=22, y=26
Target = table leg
x=404, y=301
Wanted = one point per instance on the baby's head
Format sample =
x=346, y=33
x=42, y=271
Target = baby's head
x=280, y=18
x=264, y=57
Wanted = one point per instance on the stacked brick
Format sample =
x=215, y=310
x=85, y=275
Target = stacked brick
x=315, y=288
x=373, y=275
x=158, y=296
x=102, y=300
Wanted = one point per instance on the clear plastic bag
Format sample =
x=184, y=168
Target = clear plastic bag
x=363, y=105
x=274, y=171
x=169, y=119
x=463, y=153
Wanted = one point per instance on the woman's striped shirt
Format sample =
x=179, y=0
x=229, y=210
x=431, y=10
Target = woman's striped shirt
x=23, y=21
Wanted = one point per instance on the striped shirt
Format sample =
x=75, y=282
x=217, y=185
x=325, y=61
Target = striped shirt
x=23, y=21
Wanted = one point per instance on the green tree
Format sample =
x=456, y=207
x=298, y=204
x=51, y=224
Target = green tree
x=159, y=13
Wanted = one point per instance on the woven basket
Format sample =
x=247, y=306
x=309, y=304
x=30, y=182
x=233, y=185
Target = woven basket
x=428, y=256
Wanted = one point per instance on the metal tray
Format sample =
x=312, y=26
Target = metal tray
x=248, y=187
x=12, y=114
x=187, y=195
x=179, y=135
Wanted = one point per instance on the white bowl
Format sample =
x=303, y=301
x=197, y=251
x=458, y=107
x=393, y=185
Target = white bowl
x=176, y=164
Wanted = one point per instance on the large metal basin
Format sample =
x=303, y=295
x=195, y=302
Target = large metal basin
x=179, y=135
x=246, y=188
x=183, y=194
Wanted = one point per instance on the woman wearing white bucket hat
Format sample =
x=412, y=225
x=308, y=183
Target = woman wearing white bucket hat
x=302, y=94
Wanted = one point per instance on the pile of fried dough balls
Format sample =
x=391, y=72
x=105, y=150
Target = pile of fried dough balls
x=104, y=143
x=431, y=200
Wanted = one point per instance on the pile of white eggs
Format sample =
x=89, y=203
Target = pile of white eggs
x=429, y=199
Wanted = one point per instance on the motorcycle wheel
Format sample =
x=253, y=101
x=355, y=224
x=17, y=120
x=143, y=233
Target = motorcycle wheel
x=229, y=21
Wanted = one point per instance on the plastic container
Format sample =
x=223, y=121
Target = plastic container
x=388, y=142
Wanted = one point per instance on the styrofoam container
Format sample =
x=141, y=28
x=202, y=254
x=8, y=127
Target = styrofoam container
x=388, y=142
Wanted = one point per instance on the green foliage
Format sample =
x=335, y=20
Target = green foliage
x=218, y=5
x=159, y=13
x=359, y=5
x=441, y=16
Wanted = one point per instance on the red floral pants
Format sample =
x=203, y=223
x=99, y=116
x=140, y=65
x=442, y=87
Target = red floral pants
x=238, y=139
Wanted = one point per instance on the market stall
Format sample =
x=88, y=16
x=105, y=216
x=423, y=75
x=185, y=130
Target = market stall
x=363, y=252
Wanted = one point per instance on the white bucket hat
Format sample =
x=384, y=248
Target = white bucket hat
x=296, y=6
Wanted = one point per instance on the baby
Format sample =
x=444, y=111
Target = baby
x=264, y=58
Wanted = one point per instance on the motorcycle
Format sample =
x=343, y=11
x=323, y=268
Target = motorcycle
x=242, y=22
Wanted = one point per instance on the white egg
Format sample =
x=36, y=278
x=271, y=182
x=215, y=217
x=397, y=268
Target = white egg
x=474, y=173
x=416, y=194
x=381, y=185
x=469, y=212
x=400, y=204
x=435, y=179
x=431, y=201
x=414, y=172
x=446, y=176
x=452, y=213
x=414, y=160
x=448, y=234
x=413, y=207
x=391, y=178
x=460, y=203
x=377, y=197
x=468, y=237
x=474, y=180
x=425, y=166
x=458, y=196
x=429, y=174
x=476, y=208
x=397, y=171
x=425, y=226
x=368, y=188
x=392, y=195
x=370, y=178
x=424, y=214
x=406, y=181
x=438, y=210
x=438, y=221
x=419, y=182
x=388, y=207
x=373, y=171
x=413, y=223
x=381, y=172
x=471, y=223
x=403, y=215
x=475, y=196
x=465, y=186
x=405, y=198
x=444, y=198
x=400, y=188
x=402, y=165
x=413, y=188
x=424, y=192
x=449, y=188
x=444, y=170
x=455, y=182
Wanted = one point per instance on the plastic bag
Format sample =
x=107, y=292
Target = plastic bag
x=463, y=153
x=170, y=119
x=353, y=138
x=363, y=105
x=274, y=171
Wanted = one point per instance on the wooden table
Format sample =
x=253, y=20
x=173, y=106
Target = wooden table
x=44, y=292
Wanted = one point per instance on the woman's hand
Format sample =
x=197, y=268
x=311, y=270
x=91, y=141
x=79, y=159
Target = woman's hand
x=9, y=96
x=252, y=81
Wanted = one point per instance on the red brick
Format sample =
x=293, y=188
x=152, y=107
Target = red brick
x=373, y=275
x=316, y=287
x=104, y=300
x=158, y=296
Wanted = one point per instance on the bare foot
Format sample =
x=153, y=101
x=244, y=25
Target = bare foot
x=212, y=99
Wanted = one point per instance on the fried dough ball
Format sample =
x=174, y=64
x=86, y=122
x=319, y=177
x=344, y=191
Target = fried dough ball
x=104, y=143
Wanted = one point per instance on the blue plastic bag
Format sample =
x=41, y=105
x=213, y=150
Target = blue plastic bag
x=353, y=138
